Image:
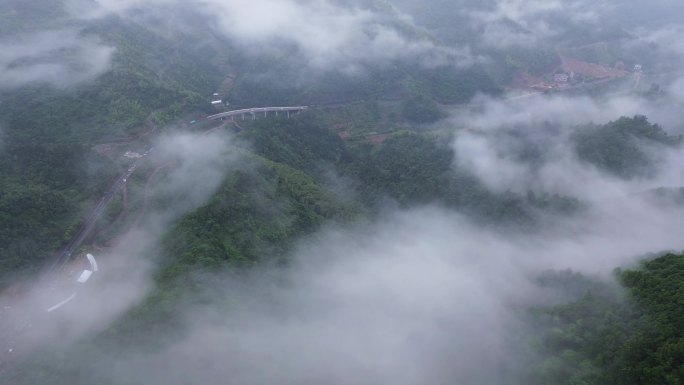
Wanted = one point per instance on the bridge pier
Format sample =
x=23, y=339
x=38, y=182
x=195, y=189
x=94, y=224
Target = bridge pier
x=255, y=111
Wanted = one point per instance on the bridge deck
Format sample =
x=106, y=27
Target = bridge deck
x=255, y=110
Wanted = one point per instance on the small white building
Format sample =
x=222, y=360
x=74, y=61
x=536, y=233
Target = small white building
x=638, y=68
x=561, y=78
x=217, y=103
x=132, y=155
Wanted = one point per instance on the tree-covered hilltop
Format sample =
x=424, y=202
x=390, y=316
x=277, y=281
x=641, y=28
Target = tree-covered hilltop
x=606, y=337
x=409, y=168
x=49, y=171
x=374, y=140
x=17, y=16
x=155, y=78
x=254, y=218
x=277, y=80
x=627, y=147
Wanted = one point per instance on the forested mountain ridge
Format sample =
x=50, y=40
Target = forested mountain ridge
x=606, y=337
x=152, y=81
x=63, y=125
x=446, y=209
x=616, y=147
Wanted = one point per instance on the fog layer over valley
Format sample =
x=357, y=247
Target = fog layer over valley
x=124, y=273
x=420, y=296
x=474, y=193
x=40, y=58
x=415, y=295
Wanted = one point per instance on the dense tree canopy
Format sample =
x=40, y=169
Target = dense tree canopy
x=605, y=337
x=624, y=147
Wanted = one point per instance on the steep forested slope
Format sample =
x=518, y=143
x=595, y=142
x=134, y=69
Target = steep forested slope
x=627, y=147
x=607, y=338
x=49, y=172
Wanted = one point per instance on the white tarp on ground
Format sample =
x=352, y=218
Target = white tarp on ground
x=85, y=275
x=93, y=263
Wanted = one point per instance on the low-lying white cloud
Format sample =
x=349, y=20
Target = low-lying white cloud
x=59, y=58
x=419, y=296
x=495, y=132
x=327, y=35
x=531, y=22
x=192, y=168
x=535, y=110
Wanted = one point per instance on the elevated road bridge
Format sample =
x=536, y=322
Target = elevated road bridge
x=254, y=111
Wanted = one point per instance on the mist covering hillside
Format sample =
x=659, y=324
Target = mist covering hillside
x=475, y=192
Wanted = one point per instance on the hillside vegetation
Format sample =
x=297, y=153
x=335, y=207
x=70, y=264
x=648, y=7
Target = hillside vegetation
x=370, y=143
x=608, y=338
x=627, y=147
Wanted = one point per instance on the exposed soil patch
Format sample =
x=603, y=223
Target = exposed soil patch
x=591, y=70
x=378, y=138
